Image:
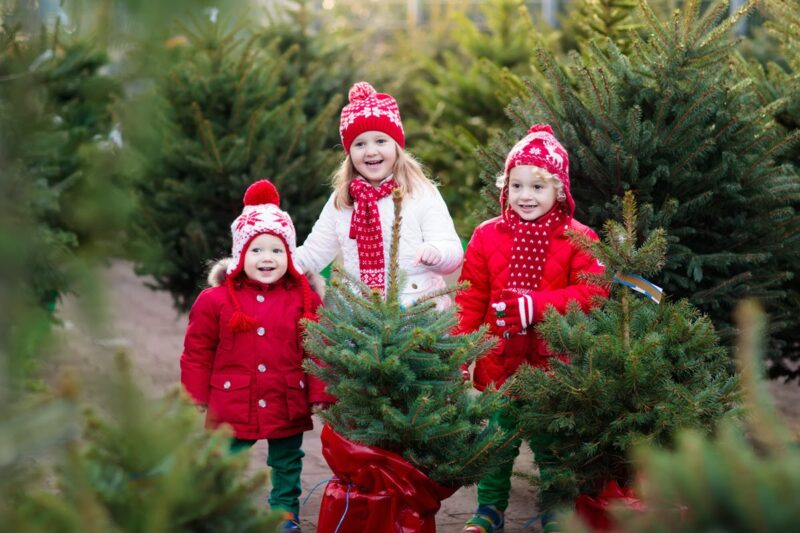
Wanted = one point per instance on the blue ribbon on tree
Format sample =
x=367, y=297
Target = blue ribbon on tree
x=640, y=285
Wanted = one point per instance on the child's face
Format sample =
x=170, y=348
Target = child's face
x=373, y=154
x=530, y=195
x=266, y=259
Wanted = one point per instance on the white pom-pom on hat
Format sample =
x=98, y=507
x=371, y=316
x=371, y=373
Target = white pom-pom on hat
x=360, y=91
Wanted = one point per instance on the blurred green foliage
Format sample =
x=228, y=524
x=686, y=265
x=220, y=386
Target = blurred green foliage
x=141, y=465
x=771, y=63
x=65, y=199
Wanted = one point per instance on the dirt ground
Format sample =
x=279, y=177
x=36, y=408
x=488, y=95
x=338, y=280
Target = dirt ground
x=144, y=323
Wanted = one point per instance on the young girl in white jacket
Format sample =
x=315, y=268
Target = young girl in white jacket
x=357, y=219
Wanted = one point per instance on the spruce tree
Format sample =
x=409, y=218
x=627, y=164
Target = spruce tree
x=234, y=112
x=615, y=20
x=775, y=77
x=669, y=121
x=466, y=77
x=57, y=124
x=638, y=371
x=141, y=466
x=743, y=479
x=396, y=372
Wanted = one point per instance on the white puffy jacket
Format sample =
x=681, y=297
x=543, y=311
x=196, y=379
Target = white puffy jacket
x=426, y=220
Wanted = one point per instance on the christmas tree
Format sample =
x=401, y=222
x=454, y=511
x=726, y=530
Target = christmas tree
x=615, y=20
x=744, y=479
x=669, y=121
x=465, y=77
x=638, y=371
x=396, y=372
x=234, y=112
x=775, y=76
x=57, y=130
x=142, y=466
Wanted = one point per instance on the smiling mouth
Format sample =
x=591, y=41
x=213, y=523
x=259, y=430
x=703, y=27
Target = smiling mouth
x=373, y=163
x=266, y=269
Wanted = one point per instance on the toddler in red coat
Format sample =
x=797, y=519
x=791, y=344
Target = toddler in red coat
x=243, y=353
x=518, y=265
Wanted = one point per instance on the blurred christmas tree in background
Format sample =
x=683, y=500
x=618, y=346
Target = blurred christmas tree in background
x=463, y=80
x=774, y=72
x=237, y=109
x=58, y=132
x=638, y=371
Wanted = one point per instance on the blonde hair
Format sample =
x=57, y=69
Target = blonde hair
x=407, y=172
x=537, y=172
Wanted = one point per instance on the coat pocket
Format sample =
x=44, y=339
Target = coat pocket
x=297, y=395
x=229, y=400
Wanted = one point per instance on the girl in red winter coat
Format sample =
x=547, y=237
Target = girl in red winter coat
x=243, y=355
x=518, y=265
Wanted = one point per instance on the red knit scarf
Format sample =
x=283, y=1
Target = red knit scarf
x=365, y=228
x=530, y=247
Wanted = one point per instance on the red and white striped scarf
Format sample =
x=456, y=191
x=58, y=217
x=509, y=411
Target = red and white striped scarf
x=530, y=246
x=365, y=228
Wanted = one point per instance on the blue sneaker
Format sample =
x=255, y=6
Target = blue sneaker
x=550, y=523
x=487, y=519
x=292, y=523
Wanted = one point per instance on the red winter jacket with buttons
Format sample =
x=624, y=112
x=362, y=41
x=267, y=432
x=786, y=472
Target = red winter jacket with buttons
x=486, y=268
x=252, y=381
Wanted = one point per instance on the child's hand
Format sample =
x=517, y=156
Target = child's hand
x=201, y=408
x=428, y=255
x=318, y=407
x=513, y=314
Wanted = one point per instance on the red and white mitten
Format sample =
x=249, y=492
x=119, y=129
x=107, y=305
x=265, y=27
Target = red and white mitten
x=514, y=314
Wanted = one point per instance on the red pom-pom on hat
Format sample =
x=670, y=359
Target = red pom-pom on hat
x=262, y=192
x=541, y=127
x=360, y=91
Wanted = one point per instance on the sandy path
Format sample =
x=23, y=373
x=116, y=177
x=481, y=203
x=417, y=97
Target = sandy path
x=144, y=323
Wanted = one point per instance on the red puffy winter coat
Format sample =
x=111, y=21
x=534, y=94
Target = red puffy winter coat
x=486, y=268
x=254, y=380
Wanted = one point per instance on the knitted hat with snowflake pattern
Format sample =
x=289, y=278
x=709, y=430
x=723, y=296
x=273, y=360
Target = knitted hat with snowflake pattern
x=369, y=110
x=261, y=214
x=540, y=148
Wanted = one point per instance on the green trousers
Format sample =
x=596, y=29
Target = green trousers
x=285, y=460
x=495, y=487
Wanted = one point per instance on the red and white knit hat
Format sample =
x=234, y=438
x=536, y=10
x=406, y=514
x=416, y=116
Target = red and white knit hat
x=540, y=148
x=261, y=214
x=369, y=110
